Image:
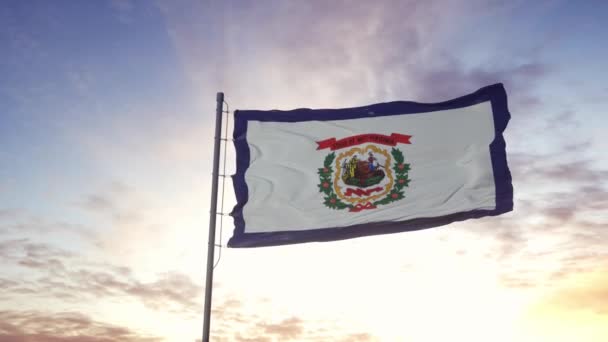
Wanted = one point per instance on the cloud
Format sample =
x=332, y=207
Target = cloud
x=287, y=329
x=554, y=245
x=565, y=164
x=565, y=120
x=453, y=79
x=364, y=50
x=580, y=171
x=236, y=320
x=97, y=203
x=169, y=292
x=118, y=202
x=240, y=338
x=8, y=214
x=588, y=291
x=25, y=250
x=36, y=326
x=130, y=222
x=558, y=228
x=105, y=206
x=369, y=51
x=61, y=274
x=361, y=337
x=8, y=285
x=549, y=243
x=514, y=281
x=169, y=288
x=564, y=179
x=21, y=223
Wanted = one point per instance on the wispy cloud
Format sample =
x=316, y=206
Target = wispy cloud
x=97, y=203
x=36, y=326
x=287, y=329
x=235, y=320
x=587, y=292
x=23, y=223
x=558, y=230
x=118, y=207
x=7, y=214
x=453, y=80
x=368, y=51
x=62, y=275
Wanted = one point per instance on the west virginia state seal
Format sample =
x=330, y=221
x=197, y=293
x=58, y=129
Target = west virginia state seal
x=364, y=175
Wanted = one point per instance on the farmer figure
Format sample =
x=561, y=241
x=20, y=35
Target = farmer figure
x=371, y=162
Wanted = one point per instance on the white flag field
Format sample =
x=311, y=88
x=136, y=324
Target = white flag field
x=329, y=174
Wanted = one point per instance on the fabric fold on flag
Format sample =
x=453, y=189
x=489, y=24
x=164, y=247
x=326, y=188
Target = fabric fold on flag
x=309, y=175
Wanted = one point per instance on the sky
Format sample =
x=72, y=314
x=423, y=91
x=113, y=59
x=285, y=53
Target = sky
x=106, y=137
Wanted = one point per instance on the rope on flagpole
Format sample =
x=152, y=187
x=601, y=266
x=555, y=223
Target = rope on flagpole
x=225, y=140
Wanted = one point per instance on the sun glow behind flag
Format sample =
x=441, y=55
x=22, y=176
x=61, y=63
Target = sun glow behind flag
x=329, y=174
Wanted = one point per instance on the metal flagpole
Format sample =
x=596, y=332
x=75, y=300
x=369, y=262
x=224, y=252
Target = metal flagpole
x=213, y=214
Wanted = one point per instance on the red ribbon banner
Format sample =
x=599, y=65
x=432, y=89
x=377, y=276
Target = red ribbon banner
x=361, y=192
x=360, y=207
x=389, y=140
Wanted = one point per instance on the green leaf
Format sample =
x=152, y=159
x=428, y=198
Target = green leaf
x=324, y=173
x=341, y=205
x=393, y=196
x=329, y=159
x=337, y=204
x=401, y=182
x=384, y=200
x=397, y=195
x=401, y=170
x=328, y=202
x=398, y=155
x=326, y=189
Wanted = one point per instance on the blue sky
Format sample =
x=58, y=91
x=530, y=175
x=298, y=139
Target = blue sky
x=106, y=126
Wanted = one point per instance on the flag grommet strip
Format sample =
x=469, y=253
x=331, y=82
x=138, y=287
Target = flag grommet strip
x=387, y=191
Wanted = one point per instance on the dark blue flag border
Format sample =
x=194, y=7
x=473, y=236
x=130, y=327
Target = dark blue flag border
x=502, y=176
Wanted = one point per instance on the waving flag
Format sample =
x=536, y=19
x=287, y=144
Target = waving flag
x=329, y=174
